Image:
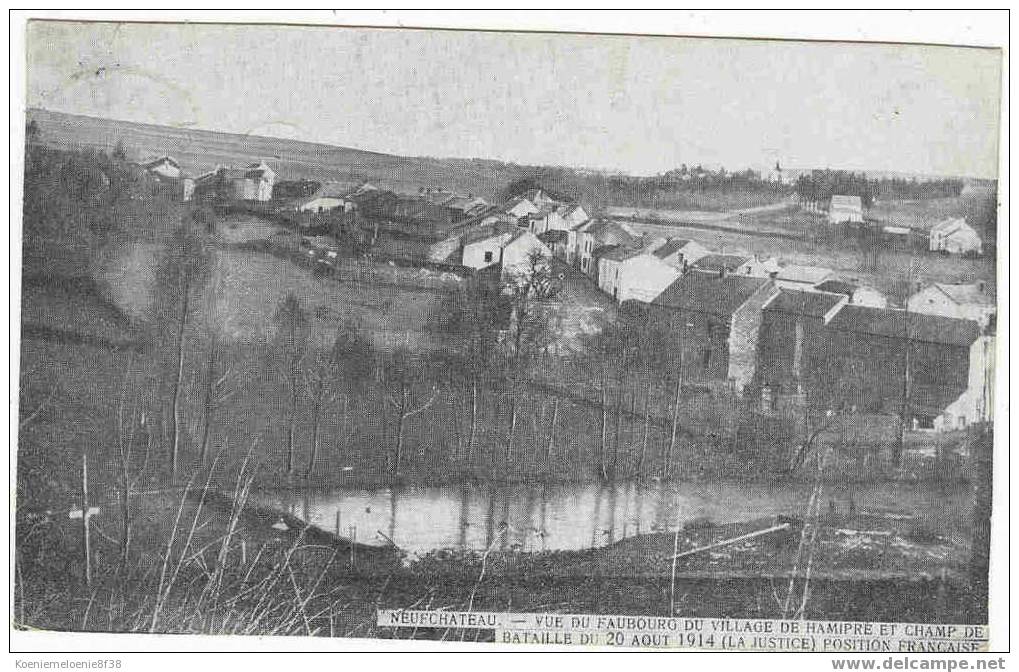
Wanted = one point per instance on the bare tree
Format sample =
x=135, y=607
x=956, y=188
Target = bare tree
x=533, y=291
x=182, y=272
x=352, y=365
x=551, y=433
x=317, y=380
x=129, y=471
x=291, y=346
x=647, y=424
x=402, y=375
x=215, y=391
x=678, y=375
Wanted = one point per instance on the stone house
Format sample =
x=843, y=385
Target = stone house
x=253, y=183
x=792, y=338
x=936, y=369
x=715, y=319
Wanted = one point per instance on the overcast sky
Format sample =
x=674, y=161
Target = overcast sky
x=637, y=104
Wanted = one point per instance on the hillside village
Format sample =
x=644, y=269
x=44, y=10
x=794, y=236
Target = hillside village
x=780, y=332
x=641, y=329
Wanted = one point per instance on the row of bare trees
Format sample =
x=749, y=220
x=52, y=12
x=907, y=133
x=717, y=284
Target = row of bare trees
x=505, y=335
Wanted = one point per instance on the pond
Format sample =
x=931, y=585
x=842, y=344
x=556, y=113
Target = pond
x=550, y=517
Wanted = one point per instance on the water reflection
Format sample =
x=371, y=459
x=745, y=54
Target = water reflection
x=546, y=517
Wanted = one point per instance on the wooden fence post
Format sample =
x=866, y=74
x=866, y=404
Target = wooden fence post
x=85, y=518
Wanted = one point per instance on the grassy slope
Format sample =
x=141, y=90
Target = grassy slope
x=200, y=151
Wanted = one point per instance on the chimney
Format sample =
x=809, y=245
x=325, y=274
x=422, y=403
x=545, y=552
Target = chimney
x=721, y=272
x=982, y=286
x=919, y=286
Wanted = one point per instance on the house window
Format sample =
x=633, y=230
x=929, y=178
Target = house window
x=717, y=331
x=706, y=359
x=923, y=422
x=488, y=256
x=583, y=264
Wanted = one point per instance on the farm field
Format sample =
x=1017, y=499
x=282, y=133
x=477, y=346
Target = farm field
x=975, y=204
x=887, y=269
x=728, y=217
x=703, y=204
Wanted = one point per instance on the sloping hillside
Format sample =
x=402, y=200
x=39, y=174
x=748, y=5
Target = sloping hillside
x=200, y=151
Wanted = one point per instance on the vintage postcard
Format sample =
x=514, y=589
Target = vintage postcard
x=541, y=339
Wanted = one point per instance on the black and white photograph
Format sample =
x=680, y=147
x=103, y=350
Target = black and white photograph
x=525, y=339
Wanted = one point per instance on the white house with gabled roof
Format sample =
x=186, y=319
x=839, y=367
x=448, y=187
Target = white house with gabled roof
x=955, y=236
x=967, y=301
x=845, y=209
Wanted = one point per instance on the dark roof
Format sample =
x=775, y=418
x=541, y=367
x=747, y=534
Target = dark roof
x=963, y=294
x=458, y=203
x=436, y=196
x=489, y=230
x=708, y=293
x=607, y=232
x=811, y=304
x=671, y=247
x=837, y=287
x=602, y=250
x=256, y=169
x=718, y=262
x=628, y=250
x=894, y=323
x=335, y=190
x=553, y=236
x=233, y=173
x=162, y=159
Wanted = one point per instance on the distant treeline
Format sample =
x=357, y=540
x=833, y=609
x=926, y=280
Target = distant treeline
x=818, y=186
x=681, y=188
